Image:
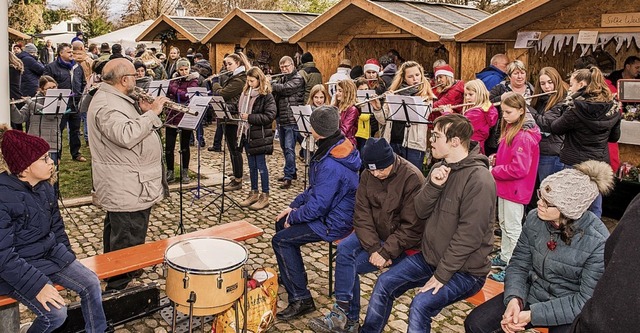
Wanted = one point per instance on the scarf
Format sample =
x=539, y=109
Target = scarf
x=241, y=103
x=325, y=144
x=67, y=65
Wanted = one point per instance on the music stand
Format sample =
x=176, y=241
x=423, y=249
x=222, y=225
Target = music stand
x=365, y=95
x=158, y=88
x=56, y=103
x=181, y=121
x=198, y=104
x=220, y=109
x=302, y=115
x=408, y=109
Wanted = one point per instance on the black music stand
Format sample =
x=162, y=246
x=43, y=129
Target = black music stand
x=158, y=88
x=199, y=103
x=408, y=109
x=222, y=113
x=56, y=102
x=302, y=114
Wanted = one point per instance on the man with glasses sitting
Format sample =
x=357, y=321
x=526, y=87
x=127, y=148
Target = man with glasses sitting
x=288, y=91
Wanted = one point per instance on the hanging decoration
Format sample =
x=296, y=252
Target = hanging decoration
x=167, y=36
x=559, y=41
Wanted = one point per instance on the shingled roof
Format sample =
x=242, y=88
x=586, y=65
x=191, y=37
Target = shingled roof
x=192, y=28
x=276, y=26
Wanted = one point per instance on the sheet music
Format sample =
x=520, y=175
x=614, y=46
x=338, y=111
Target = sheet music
x=416, y=108
x=51, y=101
x=197, y=91
x=302, y=115
x=220, y=109
x=363, y=95
x=158, y=88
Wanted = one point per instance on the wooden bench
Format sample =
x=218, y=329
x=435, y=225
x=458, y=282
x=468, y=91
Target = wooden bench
x=133, y=258
x=491, y=289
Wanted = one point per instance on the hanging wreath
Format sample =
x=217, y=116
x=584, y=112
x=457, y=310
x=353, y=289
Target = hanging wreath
x=167, y=36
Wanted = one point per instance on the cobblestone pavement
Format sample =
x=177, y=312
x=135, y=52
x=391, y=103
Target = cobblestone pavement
x=84, y=225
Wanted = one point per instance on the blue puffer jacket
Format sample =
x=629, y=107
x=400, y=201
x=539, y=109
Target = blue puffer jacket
x=491, y=76
x=33, y=243
x=556, y=284
x=327, y=204
x=33, y=70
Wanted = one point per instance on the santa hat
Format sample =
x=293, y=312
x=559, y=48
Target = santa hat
x=371, y=65
x=443, y=70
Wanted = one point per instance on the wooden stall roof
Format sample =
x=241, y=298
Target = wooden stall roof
x=258, y=24
x=192, y=28
x=429, y=21
x=503, y=24
x=17, y=35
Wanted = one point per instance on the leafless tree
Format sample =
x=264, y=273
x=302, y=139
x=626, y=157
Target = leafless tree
x=142, y=10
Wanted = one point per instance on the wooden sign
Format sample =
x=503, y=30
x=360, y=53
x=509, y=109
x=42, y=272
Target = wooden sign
x=620, y=20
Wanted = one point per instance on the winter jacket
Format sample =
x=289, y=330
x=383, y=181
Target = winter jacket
x=126, y=155
x=341, y=73
x=550, y=144
x=491, y=76
x=385, y=210
x=33, y=70
x=156, y=70
x=177, y=90
x=311, y=76
x=556, y=284
x=33, y=243
x=41, y=125
x=458, y=234
x=14, y=83
x=68, y=79
x=587, y=127
x=516, y=166
x=388, y=73
x=415, y=136
x=288, y=91
x=230, y=90
x=616, y=298
x=327, y=204
x=495, y=95
x=260, y=120
x=44, y=55
x=349, y=123
x=452, y=96
x=482, y=121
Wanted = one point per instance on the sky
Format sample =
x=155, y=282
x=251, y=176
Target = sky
x=117, y=6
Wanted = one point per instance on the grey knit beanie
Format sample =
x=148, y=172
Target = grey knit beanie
x=325, y=120
x=572, y=191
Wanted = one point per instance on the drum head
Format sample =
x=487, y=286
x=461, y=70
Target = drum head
x=206, y=255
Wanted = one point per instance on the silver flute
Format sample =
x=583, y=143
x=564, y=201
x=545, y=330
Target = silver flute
x=244, y=123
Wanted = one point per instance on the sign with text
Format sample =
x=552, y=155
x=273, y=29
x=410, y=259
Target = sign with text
x=620, y=20
x=587, y=37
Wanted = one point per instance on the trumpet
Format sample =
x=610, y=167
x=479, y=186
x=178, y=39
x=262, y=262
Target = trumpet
x=243, y=123
x=139, y=94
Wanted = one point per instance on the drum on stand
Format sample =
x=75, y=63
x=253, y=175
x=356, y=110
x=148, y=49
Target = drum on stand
x=211, y=268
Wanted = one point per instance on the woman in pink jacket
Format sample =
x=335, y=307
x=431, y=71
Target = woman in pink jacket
x=482, y=114
x=345, y=100
x=515, y=167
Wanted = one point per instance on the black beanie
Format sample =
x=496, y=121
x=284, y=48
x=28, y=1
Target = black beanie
x=377, y=154
x=325, y=120
x=306, y=57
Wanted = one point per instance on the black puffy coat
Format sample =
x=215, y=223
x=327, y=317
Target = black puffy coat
x=262, y=116
x=588, y=127
x=288, y=91
x=66, y=80
x=550, y=144
x=33, y=70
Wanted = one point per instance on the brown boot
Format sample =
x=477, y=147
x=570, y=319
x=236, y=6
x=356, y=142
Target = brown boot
x=234, y=185
x=261, y=203
x=250, y=200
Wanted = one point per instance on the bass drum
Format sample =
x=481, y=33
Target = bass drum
x=209, y=267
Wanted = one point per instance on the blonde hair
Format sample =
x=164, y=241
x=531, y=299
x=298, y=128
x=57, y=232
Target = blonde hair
x=597, y=89
x=559, y=86
x=16, y=63
x=516, y=101
x=264, y=86
x=482, y=94
x=348, y=95
x=449, y=83
x=515, y=66
x=425, y=88
x=318, y=88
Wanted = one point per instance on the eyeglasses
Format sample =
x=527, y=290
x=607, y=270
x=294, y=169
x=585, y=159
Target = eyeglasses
x=134, y=74
x=434, y=137
x=545, y=203
x=285, y=66
x=46, y=159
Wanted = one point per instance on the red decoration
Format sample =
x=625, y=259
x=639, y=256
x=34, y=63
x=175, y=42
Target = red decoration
x=552, y=244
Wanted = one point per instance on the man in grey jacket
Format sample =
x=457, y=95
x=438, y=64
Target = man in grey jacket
x=126, y=154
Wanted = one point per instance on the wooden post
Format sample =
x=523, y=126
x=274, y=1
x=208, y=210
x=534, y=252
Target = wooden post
x=454, y=56
x=473, y=60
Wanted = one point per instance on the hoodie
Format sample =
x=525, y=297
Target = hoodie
x=587, y=126
x=327, y=204
x=458, y=235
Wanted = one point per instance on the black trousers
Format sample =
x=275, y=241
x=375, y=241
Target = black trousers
x=123, y=230
x=73, y=119
x=170, y=145
x=235, y=152
x=487, y=316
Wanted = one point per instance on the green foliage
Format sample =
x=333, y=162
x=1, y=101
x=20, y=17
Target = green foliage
x=53, y=16
x=308, y=6
x=96, y=26
x=26, y=17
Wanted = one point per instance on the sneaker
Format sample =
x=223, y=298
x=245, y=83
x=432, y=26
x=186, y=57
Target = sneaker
x=498, y=276
x=25, y=327
x=263, y=202
x=285, y=184
x=498, y=263
x=185, y=177
x=215, y=149
x=250, y=200
x=79, y=158
x=297, y=309
x=171, y=177
x=233, y=185
x=335, y=321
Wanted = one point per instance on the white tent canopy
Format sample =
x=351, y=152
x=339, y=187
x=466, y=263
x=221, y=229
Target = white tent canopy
x=126, y=36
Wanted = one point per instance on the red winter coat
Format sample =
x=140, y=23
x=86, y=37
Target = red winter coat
x=451, y=96
x=349, y=123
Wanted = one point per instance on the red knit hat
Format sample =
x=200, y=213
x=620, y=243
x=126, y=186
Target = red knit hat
x=443, y=70
x=20, y=150
x=371, y=65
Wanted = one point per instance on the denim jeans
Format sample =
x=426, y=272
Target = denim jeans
x=73, y=119
x=85, y=283
x=258, y=165
x=286, y=245
x=414, y=272
x=288, y=145
x=85, y=132
x=352, y=260
x=487, y=316
x=548, y=165
x=414, y=156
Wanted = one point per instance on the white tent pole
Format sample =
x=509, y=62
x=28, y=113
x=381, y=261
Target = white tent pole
x=4, y=59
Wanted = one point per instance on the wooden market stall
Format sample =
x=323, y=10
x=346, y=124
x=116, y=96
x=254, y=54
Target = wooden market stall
x=17, y=36
x=181, y=32
x=363, y=29
x=262, y=34
x=558, y=24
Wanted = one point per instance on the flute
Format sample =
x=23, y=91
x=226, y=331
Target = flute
x=440, y=108
x=532, y=96
x=140, y=94
x=18, y=101
x=336, y=82
x=243, y=123
x=277, y=75
x=216, y=75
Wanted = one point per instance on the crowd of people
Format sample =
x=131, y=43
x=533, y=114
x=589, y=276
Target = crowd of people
x=413, y=201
